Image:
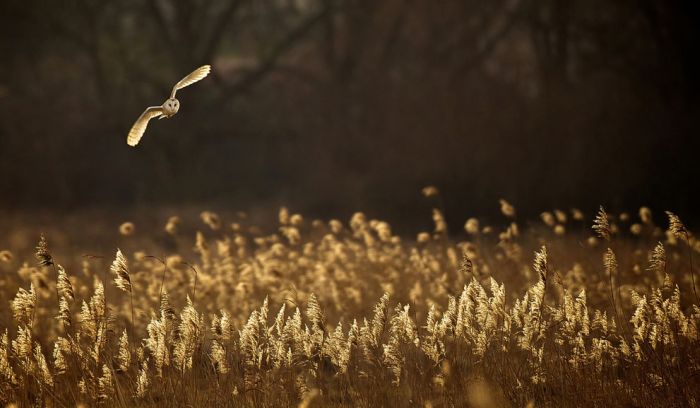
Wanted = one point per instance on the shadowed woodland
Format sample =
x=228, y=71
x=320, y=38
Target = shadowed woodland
x=337, y=105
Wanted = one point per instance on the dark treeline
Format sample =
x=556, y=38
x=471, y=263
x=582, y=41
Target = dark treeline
x=336, y=105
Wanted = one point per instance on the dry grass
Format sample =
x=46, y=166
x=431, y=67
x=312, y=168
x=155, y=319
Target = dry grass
x=334, y=314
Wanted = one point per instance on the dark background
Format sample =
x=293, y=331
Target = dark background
x=331, y=106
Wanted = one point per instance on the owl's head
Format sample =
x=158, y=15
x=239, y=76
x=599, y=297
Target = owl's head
x=171, y=106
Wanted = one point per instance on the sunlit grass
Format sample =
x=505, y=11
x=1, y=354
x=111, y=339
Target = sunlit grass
x=562, y=311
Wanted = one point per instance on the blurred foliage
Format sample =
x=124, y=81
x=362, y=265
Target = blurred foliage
x=343, y=104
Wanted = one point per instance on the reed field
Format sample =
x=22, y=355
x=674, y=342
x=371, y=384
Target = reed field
x=568, y=310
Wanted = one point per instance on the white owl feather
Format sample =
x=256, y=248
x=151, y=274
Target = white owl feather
x=196, y=75
x=169, y=108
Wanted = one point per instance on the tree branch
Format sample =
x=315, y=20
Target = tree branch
x=218, y=30
x=161, y=21
x=268, y=64
x=490, y=44
x=395, y=30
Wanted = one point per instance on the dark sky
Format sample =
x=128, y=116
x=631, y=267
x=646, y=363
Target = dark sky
x=331, y=106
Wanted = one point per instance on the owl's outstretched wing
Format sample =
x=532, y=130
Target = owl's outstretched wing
x=141, y=123
x=196, y=75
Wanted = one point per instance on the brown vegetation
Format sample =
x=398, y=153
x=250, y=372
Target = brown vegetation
x=349, y=314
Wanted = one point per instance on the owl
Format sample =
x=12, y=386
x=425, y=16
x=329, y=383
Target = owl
x=168, y=109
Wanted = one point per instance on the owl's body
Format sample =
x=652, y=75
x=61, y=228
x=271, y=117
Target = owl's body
x=168, y=109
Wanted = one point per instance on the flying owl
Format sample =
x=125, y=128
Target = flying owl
x=167, y=109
